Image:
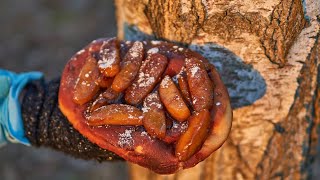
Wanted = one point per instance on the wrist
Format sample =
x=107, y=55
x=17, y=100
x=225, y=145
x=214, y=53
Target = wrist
x=10, y=109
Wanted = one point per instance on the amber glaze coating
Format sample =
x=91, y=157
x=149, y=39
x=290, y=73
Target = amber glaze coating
x=132, y=142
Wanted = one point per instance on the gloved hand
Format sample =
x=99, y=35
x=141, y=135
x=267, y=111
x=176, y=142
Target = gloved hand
x=46, y=126
x=37, y=119
x=11, y=125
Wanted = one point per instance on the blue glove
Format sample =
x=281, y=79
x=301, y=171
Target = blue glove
x=11, y=125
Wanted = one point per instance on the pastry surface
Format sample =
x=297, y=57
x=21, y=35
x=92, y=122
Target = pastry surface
x=133, y=140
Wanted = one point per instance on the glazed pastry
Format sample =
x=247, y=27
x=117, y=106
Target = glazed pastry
x=153, y=103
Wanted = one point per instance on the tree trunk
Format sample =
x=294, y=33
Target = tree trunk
x=268, y=55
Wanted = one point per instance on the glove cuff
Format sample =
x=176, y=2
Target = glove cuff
x=11, y=124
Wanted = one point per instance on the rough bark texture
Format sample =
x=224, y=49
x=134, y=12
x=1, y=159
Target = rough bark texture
x=276, y=134
x=294, y=138
x=276, y=23
x=175, y=20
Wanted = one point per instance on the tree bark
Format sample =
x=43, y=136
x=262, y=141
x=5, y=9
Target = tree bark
x=276, y=100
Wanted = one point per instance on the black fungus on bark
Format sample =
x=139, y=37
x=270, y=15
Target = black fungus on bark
x=46, y=126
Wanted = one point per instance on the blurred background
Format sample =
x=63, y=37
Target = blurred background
x=42, y=35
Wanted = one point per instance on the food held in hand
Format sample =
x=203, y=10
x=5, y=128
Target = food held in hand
x=153, y=103
x=172, y=99
x=154, y=118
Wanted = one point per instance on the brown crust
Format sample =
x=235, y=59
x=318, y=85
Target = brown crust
x=146, y=151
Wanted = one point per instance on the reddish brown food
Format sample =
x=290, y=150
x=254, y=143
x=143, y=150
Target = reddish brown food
x=200, y=85
x=99, y=102
x=174, y=132
x=109, y=58
x=169, y=121
x=149, y=75
x=104, y=82
x=172, y=100
x=191, y=141
x=135, y=143
x=184, y=87
x=116, y=114
x=132, y=63
x=111, y=95
x=154, y=119
x=174, y=67
x=86, y=86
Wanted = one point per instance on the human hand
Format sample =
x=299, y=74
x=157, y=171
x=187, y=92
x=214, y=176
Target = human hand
x=11, y=125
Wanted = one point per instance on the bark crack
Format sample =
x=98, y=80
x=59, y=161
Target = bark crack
x=282, y=146
x=286, y=23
